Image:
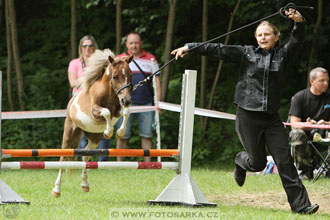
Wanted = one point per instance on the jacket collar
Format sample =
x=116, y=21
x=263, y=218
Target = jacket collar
x=259, y=49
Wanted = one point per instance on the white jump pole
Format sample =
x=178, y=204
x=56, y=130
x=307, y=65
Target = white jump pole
x=156, y=112
x=7, y=194
x=88, y=165
x=183, y=190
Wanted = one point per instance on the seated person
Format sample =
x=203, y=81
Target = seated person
x=310, y=106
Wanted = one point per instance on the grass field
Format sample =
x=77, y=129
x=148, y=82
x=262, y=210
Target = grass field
x=122, y=194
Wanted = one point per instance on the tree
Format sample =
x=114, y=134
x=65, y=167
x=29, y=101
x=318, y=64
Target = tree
x=118, y=26
x=11, y=17
x=168, y=47
x=1, y=10
x=311, y=61
x=203, y=59
x=73, y=30
x=9, y=64
x=217, y=75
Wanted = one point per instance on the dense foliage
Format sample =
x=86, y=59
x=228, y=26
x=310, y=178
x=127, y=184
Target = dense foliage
x=44, y=42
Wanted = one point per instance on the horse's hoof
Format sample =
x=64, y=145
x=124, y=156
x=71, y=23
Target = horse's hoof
x=56, y=194
x=108, y=133
x=106, y=136
x=119, y=136
x=85, y=188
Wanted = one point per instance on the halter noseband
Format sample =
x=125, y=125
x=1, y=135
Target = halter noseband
x=123, y=87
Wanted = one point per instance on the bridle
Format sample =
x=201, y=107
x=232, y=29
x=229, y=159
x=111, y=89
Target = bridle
x=281, y=12
x=127, y=85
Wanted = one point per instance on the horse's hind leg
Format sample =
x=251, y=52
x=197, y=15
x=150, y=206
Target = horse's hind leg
x=71, y=138
x=57, y=189
x=93, y=140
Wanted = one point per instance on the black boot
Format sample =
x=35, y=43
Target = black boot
x=239, y=175
x=309, y=209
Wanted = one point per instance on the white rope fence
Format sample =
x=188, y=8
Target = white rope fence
x=162, y=105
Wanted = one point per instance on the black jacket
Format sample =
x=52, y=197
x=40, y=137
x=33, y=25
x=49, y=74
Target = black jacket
x=261, y=72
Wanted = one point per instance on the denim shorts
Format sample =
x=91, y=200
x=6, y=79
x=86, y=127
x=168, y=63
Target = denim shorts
x=145, y=120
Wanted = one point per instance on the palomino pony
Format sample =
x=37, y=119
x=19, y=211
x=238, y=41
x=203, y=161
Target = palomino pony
x=104, y=98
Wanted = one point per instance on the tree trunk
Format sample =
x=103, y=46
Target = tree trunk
x=312, y=62
x=168, y=47
x=203, y=59
x=1, y=10
x=118, y=26
x=220, y=62
x=9, y=62
x=73, y=29
x=17, y=61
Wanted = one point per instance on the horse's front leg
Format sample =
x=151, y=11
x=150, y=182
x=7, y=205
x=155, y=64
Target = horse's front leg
x=98, y=111
x=122, y=130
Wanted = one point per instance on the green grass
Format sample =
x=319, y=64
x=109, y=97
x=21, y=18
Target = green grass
x=124, y=192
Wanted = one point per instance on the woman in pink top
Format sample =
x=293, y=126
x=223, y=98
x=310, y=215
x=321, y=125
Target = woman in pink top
x=87, y=47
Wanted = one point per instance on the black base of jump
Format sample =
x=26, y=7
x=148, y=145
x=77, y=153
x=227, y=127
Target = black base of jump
x=168, y=203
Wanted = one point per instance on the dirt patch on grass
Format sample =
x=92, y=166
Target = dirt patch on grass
x=271, y=199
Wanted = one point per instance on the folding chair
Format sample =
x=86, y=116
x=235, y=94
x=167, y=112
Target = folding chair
x=324, y=157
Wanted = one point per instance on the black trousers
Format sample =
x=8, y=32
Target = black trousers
x=257, y=130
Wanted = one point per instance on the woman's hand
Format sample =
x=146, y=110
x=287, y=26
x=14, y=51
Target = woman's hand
x=294, y=15
x=321, y=122
x=180, y=52
x=310, y=121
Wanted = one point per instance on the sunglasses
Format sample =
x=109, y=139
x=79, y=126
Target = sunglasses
x=88, y=45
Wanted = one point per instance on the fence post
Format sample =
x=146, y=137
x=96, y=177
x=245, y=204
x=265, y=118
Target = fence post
x=7, y=195
x=183, y=190
x=157, y=122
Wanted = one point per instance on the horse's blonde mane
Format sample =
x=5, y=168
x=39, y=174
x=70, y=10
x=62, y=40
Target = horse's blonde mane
x=96, y=62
